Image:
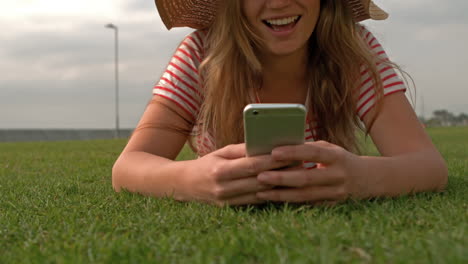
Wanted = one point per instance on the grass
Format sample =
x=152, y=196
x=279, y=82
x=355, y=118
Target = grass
x=57, y=205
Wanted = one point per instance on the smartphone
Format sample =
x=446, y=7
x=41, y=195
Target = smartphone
x=267, y=126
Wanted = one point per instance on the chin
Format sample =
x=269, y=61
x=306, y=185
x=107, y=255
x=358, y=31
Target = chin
x=283, y=50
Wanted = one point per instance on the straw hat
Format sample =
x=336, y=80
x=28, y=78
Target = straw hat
x=199, y=14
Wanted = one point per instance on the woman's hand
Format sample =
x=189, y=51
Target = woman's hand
x=228, y=177
x=335, y=179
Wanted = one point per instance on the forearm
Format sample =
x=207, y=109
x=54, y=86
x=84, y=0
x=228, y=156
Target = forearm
x=149, y=174
x=399, y=175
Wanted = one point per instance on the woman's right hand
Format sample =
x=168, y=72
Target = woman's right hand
x=228, y=177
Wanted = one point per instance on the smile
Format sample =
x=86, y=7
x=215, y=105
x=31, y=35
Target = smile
x=282, y=23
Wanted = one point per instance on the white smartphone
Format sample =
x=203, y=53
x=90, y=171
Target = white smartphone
x=267, y=126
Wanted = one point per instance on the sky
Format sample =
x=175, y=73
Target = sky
x=57, y=58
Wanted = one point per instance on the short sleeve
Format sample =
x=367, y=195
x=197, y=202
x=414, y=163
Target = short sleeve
x=180, y=81
x=391, y=81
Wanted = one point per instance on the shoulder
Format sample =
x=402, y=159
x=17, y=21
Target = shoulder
x=180, y=81
x=372, y=42
x=365, y=33
x=390, y=80
x=193, y=45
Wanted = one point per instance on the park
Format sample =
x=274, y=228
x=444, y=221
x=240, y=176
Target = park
x=57, y=205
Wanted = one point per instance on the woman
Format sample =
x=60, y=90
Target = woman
x=278, y=51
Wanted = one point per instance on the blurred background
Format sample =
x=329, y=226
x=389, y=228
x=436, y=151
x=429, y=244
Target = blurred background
x=57, y=58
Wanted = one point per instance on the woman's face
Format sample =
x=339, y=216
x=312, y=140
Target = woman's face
x=284, y=25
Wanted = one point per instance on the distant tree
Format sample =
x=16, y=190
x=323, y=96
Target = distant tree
x=462, y=119
x=444, y=118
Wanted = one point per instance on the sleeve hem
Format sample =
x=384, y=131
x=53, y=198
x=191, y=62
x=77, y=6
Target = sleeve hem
x=373, y=105
x=177, y=103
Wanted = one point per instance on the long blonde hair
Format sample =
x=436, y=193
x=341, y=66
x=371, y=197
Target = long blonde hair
x=228, y=72
x=337, y=53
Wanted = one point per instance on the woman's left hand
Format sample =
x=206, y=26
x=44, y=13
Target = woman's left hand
x=336, y=178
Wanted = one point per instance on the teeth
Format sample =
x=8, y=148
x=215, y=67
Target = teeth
x=283, y=21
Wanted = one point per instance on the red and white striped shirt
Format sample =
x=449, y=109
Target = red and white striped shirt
x=180, y=84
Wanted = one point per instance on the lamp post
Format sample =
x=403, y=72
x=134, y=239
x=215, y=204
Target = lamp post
x=117, y=128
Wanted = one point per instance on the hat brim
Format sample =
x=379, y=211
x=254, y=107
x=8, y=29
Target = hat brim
x=196, y=14
x=377, y=13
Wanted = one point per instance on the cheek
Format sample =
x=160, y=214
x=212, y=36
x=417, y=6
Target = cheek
x=251, y=8
x=246, y=9
x=313, y=7
x=313, y=13
x=311, y=3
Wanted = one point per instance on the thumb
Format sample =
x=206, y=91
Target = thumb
x=236, y=151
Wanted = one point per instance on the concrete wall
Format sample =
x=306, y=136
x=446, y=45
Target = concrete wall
x=16, y=135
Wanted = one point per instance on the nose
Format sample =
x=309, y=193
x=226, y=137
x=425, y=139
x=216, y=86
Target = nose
x=277, y=4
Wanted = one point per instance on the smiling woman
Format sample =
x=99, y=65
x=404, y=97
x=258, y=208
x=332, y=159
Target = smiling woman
x=311, y=52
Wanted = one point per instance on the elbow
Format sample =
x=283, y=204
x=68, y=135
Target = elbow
x=116, y=176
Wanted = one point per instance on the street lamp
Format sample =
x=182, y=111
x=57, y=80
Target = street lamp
x=117, y=128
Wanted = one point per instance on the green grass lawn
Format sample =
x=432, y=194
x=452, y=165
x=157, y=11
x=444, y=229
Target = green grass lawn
x=57, y=205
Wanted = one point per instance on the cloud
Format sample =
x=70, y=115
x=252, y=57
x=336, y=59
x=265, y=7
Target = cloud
x=58, y=68
x=87, y=50
x=427, y=12
x=59, y=71
x=140, y=6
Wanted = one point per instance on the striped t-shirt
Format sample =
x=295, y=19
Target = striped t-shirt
x=180, y=84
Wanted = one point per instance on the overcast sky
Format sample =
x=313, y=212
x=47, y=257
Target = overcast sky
x=57, y=58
